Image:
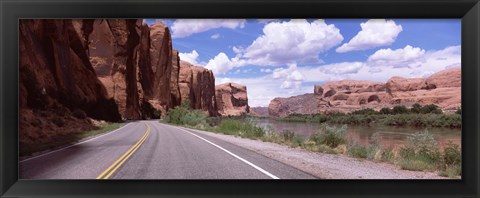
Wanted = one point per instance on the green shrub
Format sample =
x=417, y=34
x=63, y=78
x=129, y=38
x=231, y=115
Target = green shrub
x=387, y=156
x=242, y=128
x=452, y=155
x=287, y=135
x=416, y=108
x=330, y=135
x=194, y=118
x=176, y=114
x=431, y=108
x=420, y=153
x=357, y=151
x=366, y=111
x=451, y=171
x=297, y=140
x=386, y=111
x=400, y=109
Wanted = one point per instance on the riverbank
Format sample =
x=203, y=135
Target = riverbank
x=400, y=116
x=323, y=165
x=421, y=152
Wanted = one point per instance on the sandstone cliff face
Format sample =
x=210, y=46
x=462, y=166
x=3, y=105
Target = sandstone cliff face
x=175, y=75
x=113, y=46
x=161, y=62
x=442, y=89
x=110, y=69
x=135, y=64
x=197, y=84
x=232, y=99
x=56, y=79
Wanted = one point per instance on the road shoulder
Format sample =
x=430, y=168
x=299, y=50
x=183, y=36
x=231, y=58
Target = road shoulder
x=325, y=166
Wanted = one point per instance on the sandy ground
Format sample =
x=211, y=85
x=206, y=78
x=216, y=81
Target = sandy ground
x=325, y=166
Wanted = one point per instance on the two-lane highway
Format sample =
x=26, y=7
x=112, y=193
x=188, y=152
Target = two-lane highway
x=151, y=150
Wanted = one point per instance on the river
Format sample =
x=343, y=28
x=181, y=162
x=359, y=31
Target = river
x=390, y=137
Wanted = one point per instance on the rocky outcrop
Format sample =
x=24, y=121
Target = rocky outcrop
x=58, y=86
x=232, y=99
x=442, y=89
x=197, y=85
x=302, y=104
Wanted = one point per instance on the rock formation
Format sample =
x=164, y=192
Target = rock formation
x=197, y=85
x=442, y=89
x=58, y=85
x=106, y=69
x=152, y=81
x=232, y=99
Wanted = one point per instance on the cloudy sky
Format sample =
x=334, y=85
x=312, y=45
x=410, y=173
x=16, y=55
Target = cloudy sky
x=281, y=58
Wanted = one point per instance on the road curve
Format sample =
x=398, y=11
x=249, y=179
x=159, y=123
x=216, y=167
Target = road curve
x=151, y=150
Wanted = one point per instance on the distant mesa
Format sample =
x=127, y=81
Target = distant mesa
x=259, y=111
x=442, y=89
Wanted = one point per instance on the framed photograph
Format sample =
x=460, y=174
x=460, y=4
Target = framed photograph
x=240, y=99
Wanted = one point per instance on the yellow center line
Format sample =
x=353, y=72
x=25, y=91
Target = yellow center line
x=119, y=162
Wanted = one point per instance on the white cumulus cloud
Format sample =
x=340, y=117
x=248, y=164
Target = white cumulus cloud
x=294, y=41
x=374, y=33
x=190, y=57
x=221, y=64
x=404, y=57
x=186, y=27
x=291, y=77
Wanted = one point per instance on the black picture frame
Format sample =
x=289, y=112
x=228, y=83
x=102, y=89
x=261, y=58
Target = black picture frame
x=467, y=10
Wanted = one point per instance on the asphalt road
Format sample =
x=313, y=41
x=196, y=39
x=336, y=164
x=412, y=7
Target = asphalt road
x=151, y=150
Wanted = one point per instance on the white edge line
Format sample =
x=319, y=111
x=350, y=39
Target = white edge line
x=75, y=144
x=232, y=154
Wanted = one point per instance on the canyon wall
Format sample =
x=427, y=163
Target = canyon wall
x=442, y=89
x=74, y=72
x=232, y=99
x=197, y=85
x=58, y=86
x=141, y=71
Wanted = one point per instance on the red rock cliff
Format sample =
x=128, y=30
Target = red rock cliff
x=442, y=89
x=197, y=84
x=232, y=99
x=56, y=79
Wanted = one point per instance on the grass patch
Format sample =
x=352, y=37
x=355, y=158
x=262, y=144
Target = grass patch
x=357, y=151
x=59, y=141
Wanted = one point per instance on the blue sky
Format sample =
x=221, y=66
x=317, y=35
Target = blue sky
x=282, y=58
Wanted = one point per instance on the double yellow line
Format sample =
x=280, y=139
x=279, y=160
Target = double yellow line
x=117, y=164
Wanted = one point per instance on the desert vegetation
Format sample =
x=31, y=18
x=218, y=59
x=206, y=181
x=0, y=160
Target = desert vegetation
x=416, y=116
x=420, y=153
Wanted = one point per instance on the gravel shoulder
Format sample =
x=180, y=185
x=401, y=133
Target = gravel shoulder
x=325, y=166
